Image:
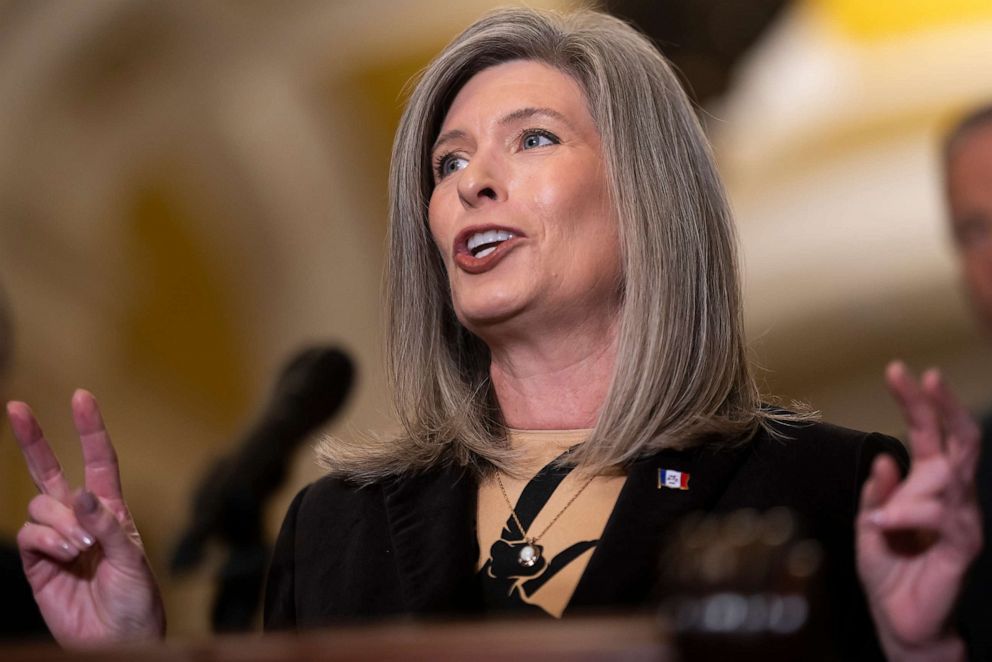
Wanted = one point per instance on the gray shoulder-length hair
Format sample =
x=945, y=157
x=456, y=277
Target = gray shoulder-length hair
x=681, y=373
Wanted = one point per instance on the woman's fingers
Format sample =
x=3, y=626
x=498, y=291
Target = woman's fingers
x=905, y=514
x=930, y=477
x=39, y=541
x=922, y=418
x=95, y=514
x=118, y=543
x=47, y=511
x=44, y=467
x=59, y=531
x=102, y=475
x=962, y=434
x=881, y=483
x=878, y=489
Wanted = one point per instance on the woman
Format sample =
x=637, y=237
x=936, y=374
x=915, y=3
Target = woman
x=563, y=293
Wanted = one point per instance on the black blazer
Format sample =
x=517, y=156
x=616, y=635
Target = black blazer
x=408, y=545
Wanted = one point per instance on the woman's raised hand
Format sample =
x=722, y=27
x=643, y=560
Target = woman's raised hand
x=917, y=537
x=81, y=552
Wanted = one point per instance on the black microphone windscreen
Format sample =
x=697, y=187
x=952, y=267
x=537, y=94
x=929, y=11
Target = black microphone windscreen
x=313, y=386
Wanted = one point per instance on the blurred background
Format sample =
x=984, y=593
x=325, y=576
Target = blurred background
x=191, y=191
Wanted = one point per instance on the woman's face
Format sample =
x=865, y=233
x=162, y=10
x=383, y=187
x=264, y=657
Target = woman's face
x=520, y=208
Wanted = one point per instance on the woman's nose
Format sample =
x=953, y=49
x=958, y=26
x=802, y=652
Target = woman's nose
x=481, y=181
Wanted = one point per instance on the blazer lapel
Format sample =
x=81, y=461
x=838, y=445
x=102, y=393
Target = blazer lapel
x=623, y=570
x=432, y=523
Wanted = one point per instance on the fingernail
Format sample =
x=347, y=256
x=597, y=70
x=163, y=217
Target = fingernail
x=87, y=502
x=68, y=549
x=84, y=538
x=877, y=517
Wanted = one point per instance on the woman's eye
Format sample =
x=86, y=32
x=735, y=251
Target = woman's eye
x=449, y=164
x=538, y=139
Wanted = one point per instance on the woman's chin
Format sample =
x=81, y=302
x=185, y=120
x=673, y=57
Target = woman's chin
x=490, y=318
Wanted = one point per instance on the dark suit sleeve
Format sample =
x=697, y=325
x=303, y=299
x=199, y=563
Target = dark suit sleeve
x=280, y=589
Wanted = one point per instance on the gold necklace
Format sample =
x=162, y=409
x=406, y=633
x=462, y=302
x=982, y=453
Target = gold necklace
x=530, y=553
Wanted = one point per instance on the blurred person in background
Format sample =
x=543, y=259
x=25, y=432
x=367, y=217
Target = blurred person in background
x=968, y=187
x=564, y=324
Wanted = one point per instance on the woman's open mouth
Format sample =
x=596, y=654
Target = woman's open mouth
x=480, y=249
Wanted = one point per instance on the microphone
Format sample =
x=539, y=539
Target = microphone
x=229, y=502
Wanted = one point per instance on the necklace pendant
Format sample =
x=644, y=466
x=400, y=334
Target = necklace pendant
x=529, y=554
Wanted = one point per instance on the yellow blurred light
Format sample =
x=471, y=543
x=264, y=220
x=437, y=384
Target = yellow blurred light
x=879, y=19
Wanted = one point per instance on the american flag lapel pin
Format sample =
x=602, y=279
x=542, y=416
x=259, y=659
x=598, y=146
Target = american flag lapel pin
x=673, y=480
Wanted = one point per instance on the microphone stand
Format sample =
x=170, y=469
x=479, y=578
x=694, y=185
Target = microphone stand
x=228, y=506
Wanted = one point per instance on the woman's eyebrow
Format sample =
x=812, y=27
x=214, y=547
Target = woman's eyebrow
x=527, y=113
x=509, y=118
x=447, y=136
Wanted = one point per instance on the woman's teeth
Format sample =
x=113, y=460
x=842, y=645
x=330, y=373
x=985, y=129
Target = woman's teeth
x=482, y=244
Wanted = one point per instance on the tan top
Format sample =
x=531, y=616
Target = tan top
x=583, y=520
